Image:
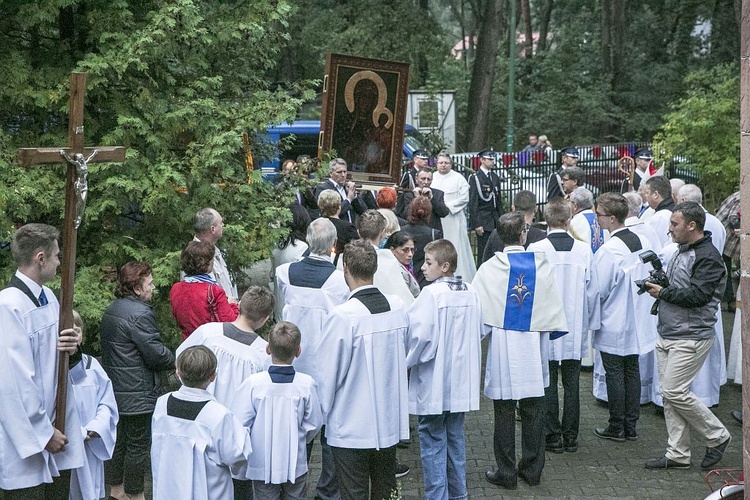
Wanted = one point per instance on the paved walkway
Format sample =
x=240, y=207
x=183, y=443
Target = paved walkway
x=600, y=469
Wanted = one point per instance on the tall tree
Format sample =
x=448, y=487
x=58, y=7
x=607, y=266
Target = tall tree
x=483, y=75
x=528, y=31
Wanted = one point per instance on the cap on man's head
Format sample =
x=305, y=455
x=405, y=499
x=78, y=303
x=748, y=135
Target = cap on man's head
x=488, y=153
x=644, y=153
x=570, y=151
x=422, y=154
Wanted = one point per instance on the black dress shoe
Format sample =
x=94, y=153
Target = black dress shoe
x=570, y=445
x=608, y=433
x=494, y=478
x=554, y=446
x=530, y=482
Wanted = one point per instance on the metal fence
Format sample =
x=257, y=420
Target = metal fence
x=531, y=170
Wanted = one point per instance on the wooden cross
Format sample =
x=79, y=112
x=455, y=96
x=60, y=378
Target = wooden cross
x=77, y=157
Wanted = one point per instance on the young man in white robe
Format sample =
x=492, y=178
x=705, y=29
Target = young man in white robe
x=657, y=192
x=36, y=457
x=575, y=275
x=361, y=375
x=456, y=190
x=281, y=410
x=196, y=442
x=445, y=357
x=97, y=410
x=628, y=329
x=521, y=307
x=240, y=353
x=310, y=289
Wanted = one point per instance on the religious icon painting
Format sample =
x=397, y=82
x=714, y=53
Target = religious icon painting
x=364, y=114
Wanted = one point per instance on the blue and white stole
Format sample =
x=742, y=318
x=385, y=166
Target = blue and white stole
x=597, y=234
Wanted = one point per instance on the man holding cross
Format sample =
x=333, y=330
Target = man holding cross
x=35, y=457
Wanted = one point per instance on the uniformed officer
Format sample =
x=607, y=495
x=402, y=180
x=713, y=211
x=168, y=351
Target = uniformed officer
x=485, y=203
x=555, y=189
x=643, y=158
x=420, y=160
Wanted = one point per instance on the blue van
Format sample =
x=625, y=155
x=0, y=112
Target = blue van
x=305, y=142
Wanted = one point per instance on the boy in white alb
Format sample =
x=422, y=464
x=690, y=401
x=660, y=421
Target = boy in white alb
x=280, y=408
x=97, y=409
x=361, y=375
x=196, y=443
x=445, y=359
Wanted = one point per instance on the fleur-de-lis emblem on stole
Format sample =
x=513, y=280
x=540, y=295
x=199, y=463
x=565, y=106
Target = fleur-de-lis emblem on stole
x=520, y=291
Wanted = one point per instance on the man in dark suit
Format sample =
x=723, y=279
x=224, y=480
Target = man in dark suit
x=524, y=202
x=420, y=160
x=485, y=205
x=436, y=197
x=351, y=203
x=554, y=184
x=643, y=158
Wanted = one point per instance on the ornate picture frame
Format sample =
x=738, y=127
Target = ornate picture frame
x=364, y=114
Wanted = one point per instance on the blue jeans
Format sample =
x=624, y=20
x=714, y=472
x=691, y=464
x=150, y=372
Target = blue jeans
x=443, y=449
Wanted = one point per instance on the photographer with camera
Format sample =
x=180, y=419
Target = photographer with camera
x=687, y=314
x=627, y=328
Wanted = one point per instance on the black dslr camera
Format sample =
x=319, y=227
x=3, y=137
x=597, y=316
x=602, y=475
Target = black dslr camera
x=657, y=276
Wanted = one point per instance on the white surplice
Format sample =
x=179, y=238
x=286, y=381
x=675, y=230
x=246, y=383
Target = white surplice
x=577, y=284
x=388, y=278
x=194, y=450
x=518, y=361
x=660, y=223
x=97, y=410
x=361, y=374
x=282, y=418
x=28, y=385
x=308, y=308
x=456, y=190
x=235, y=361
x=638, y=226
x=445, y=354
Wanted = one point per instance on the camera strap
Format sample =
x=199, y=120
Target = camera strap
x=631, y=240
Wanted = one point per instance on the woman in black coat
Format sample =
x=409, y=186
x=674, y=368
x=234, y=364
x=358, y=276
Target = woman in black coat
x=420, y=211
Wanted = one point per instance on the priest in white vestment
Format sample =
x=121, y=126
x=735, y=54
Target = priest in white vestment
x=32, y=451
x=361, y=375
x=575, y=275
x=456, y=190
x=521, y=308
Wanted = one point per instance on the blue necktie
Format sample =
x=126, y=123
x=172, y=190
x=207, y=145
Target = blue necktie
x=42, y=299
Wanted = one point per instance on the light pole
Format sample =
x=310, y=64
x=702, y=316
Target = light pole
x=511, y=75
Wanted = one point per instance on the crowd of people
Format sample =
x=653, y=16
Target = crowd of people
x=380, y=305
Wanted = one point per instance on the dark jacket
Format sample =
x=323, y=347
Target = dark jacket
x=439, y=209
x=697, y=278
x=484, y=213
x=495, y=244
x=349, y=210
x=133, y=355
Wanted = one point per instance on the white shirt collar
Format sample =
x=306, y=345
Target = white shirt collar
x=513, y=248
x=360, y=288
x=194, y=394
x=633, y=221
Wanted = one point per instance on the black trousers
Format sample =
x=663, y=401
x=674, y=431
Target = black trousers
x=532, y=439
x=729, y=295
x=623, y=378
x=130, y=458
x=481, y=243
x=365, y=474
x=58, y=489
x=571, y=415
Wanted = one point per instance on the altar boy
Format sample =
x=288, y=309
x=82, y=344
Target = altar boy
x=445, y=359
x=280, y=408
x=97, y=409
x=195, y=440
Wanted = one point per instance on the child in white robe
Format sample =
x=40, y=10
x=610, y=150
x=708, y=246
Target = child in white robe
x=196, y=442
x=445, y=359
x=97, y=409
x=281, y=410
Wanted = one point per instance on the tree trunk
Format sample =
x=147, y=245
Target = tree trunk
x=544, y=25
x=606, y=27
x=526, y=14
x=483, y=75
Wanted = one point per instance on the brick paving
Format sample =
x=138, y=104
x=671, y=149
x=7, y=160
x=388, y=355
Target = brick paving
x=600, y=469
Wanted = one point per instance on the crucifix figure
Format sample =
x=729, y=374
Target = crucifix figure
x=77, y=157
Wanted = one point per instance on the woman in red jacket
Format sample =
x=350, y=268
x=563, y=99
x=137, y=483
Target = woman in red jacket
x=197, y=299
